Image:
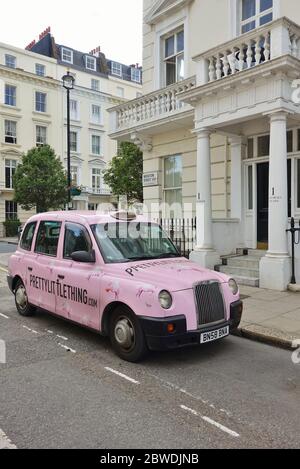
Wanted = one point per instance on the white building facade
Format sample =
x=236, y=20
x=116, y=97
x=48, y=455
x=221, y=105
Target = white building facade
x=33, y=112
x=219, y=125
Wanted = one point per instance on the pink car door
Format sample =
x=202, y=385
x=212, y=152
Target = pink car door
x=41, y=286
x=78, y=283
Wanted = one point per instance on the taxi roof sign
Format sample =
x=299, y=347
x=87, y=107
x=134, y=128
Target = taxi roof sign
x=124, y=215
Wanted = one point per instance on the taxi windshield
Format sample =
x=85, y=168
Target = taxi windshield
x=133, y=241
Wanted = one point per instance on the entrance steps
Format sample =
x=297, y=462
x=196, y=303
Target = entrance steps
x=243, y=267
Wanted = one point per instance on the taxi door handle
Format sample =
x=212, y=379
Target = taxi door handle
x=30, y=269
x=61, y=277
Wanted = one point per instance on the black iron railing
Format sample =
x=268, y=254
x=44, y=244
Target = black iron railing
x=182, y=232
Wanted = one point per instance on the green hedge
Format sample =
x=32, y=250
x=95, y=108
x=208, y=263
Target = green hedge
x=11, y=227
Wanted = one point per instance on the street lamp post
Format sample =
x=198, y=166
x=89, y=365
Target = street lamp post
x=68, y=83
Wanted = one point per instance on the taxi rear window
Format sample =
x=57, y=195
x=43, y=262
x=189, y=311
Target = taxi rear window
x=47, y=238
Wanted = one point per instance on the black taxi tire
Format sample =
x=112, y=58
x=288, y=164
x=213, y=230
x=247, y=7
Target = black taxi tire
x=21, y=300
x=127, y=336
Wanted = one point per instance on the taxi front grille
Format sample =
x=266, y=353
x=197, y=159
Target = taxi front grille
x=209, y=302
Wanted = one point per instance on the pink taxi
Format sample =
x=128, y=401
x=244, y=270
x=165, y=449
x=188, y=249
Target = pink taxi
x=121, y=276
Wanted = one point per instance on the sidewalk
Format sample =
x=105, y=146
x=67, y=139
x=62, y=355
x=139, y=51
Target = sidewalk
x=269, y=316
x=9, y=240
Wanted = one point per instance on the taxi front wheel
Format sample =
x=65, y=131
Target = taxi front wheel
x=127, y=336
x=24, y=308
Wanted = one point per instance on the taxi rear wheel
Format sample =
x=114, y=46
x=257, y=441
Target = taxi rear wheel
x=21, y=299
x=127, y=336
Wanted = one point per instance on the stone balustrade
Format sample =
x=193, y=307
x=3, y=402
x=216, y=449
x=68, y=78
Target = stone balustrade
x=153, y=106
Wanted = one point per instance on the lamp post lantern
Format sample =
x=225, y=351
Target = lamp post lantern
x=68, y=83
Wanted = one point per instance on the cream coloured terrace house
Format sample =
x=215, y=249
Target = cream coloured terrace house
x=33, y=112
x=219, y=124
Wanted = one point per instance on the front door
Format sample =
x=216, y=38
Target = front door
x=263, y=202
x=262, y=205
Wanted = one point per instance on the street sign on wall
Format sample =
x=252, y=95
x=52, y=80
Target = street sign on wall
x=150, y=179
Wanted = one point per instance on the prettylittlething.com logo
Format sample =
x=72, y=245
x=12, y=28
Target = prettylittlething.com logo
x=2, y=351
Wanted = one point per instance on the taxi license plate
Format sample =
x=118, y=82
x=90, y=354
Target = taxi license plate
x=214, y=335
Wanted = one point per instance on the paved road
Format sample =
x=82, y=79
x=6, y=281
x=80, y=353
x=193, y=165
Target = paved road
x=6, y=247
x=232, y=394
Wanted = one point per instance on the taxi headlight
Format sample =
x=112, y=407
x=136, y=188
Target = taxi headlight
x=165, y=299
x=233, y=286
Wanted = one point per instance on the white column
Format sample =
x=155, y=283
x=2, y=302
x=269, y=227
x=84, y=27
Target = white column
x=236, y=177
x=275, y=268
x=204, y=254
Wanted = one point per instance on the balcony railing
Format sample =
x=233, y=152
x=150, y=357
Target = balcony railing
x=97, y=191
x=153, y=106
x=259, y=46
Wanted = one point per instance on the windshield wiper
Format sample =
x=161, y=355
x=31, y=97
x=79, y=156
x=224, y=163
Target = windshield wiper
x=167, y=254
x=140, y=258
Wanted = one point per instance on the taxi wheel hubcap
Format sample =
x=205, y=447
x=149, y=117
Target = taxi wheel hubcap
x=21, y=297
x=124, y=333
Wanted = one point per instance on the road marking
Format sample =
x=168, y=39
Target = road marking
x=30, y=330
x=173, y=386
x=3, y=315
x=122, y=375
x=69, y=349
x=5, y=442
x=212, y=422
x=3, y=270
x=62, y=337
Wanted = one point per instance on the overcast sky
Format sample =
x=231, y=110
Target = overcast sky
x=115, y=25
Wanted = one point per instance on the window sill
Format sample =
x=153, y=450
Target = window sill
x=7, y=106
x=40, y=113
x=11, y=145
x=98, y=124
x=92, y=155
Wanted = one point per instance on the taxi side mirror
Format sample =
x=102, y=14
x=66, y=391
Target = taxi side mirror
x=84, y=256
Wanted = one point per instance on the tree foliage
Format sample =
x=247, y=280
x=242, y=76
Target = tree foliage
x=40, y=181
x=125, y=172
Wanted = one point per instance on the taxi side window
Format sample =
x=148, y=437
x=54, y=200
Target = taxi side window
x=47, y=238
x=27, y=236
x=76, y=239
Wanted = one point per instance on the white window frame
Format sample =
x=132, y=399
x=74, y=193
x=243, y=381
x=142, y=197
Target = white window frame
x=258, y=15
x=172, y=189
x=14, y=96
x=116, y=69
x=38, y=144
x=12, y=165
x=173, y=32
x=136, y=75
x=97, y=87
x=36, y=102
x=93, y=59
x=14, y=137
x=97, y=189
x=100, y=144
x=74, y=116
x=69, y=52
x=77, y=172
x=77, y=141
x=15, y=213
x=13, y=63
x=94, y=121
x=43, y=67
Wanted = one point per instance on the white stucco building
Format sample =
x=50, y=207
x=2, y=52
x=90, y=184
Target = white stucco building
x=219, y=123
x=33, y=112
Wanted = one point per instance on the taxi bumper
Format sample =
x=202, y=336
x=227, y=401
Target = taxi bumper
x=158, y=337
